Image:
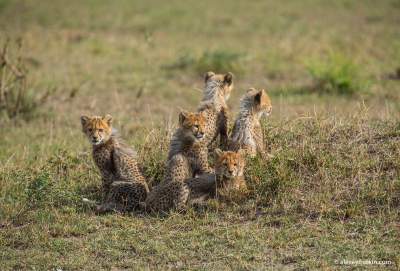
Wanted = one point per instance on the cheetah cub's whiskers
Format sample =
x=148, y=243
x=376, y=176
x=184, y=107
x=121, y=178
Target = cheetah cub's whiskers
x=117, y=164
x=247, y=132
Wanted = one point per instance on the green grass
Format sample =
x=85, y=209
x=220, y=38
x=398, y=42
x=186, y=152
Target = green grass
x=330, y=192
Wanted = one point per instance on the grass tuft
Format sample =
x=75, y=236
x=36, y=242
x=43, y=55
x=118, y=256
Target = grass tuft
x=326, y=169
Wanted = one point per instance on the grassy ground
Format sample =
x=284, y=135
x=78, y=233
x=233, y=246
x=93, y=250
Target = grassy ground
x=331, y=192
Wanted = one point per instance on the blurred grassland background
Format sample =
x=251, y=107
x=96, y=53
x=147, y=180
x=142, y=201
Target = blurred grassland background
x=331, y=192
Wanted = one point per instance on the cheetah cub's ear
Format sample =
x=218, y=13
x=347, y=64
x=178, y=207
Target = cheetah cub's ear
x=257, y=97
x=107, y=118
x=84, y=120
x=182, y=116
x=208, y=75
x=218, y=153
x=228, y=78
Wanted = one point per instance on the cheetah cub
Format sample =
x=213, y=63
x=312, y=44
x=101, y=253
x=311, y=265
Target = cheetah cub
x=218, y=88
x=188, y=153
x=229, y=172
x=175, y=195
x=247, y=133
x=117, y=164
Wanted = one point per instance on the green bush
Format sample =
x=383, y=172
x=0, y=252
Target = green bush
x=38, y=191
x=336, y=75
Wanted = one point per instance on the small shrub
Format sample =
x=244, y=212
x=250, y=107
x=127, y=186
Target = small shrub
x=219, y=61
x=275, y=66
x=38, y=190
x=183, y=62
x=16, y=98
x=336, y=75
x=61, y=182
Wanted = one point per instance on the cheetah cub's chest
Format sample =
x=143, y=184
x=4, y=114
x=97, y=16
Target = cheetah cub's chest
x=102, y=156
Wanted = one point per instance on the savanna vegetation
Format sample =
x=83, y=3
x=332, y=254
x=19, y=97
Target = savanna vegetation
x=330, y=192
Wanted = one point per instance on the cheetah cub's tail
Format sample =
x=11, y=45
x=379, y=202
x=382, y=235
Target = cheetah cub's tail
x=142, y=205
x=99, y=208
x=89, y=202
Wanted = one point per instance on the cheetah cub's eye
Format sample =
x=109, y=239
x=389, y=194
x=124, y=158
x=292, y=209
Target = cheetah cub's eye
x=90, y=129
x=100, y=130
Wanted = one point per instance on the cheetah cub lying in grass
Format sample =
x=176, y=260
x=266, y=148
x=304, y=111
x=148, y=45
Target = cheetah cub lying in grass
x=218, y=88
x=117, y=164
x=247, y=133
x=228, y=178
x=188, y=153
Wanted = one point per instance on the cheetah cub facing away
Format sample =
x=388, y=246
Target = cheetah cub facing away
x=229, y=168
x=188, y=153
x=247, y=133
x=122, y=181
x=218, y=88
